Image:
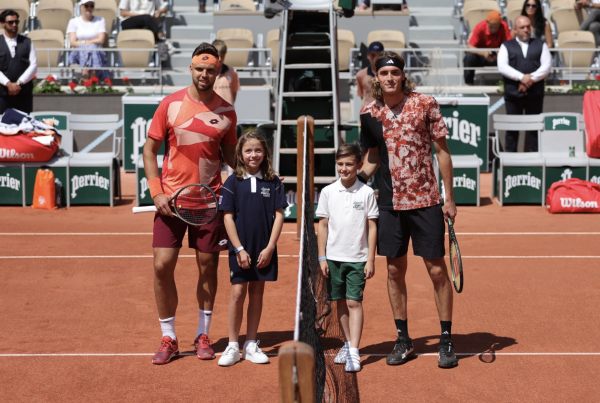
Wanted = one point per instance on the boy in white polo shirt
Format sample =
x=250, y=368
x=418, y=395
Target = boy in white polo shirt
x=347, y=237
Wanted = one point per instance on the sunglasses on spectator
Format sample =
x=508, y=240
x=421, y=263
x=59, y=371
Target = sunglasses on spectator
x=531, y=5
x=89, y=5
x=15, y=22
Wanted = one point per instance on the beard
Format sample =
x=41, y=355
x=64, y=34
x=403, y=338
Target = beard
x=203, y=88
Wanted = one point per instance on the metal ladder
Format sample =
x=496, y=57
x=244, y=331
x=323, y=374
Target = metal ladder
x=297, y=59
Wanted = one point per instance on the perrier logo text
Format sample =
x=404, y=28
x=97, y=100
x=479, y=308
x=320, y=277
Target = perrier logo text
x=512, y=181
x=463, y=130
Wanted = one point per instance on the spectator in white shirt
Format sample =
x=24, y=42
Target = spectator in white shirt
x=88, y=32
x=524, y=62
x=592, y=21
x=143, y=14
x=18, y=65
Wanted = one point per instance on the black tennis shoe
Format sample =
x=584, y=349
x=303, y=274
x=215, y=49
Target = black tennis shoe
x=447, y=356
x=402, y=352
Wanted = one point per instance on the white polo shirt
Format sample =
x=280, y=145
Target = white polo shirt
x=348, y=210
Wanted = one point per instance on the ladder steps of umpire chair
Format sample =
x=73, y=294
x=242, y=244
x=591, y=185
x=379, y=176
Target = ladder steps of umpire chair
x=325, y=180
x=308, y=66
x=317, y=150
x=318, y=122
x=308, y=94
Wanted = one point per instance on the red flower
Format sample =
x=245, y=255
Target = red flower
x=126, y=80
x=563, y=82
x=72, y=85
x=87, y=83
x=94, y=80
x=108, y=81
x=598, y=77
x=50, y=79
x=34, y=78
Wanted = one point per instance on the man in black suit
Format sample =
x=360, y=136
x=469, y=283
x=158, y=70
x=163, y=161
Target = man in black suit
x=524, y=62
x=18, y=66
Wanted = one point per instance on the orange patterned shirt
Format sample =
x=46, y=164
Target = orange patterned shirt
x=193, y=133
x=403, y=136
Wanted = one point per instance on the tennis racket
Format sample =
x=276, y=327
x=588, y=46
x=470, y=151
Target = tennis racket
x=455, y=259
x=194, y=204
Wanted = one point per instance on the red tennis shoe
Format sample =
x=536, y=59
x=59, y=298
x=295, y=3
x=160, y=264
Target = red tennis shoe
x=202, y=348
x=168, y=349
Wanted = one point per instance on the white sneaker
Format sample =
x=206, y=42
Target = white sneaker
x=342, y=355
x=353, y=363
x=254, y=354
x=230, y=356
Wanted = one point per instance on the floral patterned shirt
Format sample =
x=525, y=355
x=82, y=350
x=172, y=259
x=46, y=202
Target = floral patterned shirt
x=403, y=136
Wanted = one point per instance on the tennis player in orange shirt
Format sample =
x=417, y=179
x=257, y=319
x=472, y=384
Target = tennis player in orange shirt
x=196, y=124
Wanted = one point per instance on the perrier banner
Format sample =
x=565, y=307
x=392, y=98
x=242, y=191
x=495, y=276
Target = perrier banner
x=466, y=117
x=138, y=112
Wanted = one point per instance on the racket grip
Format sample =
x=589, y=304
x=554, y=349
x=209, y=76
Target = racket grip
x=146, y=209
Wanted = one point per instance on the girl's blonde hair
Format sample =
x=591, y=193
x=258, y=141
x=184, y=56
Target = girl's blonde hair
x=408, y=85
x=266, y=166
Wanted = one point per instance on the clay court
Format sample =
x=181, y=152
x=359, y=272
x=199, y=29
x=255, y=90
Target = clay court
x=80, y=321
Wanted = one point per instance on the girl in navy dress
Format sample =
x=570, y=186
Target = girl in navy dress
x=253, y=201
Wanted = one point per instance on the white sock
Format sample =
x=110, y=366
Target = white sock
x=168, y=327
x=354, y=351
x=347, y=344
x=204, y=318
x=234, y=344
x=248, y=342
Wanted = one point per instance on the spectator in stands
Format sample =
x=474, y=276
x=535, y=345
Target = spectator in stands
x=228, y=83
x=540, y=27
x=88, y=32
x=524, y=62
x=366, y=75
x=490, y=33
x=400, y=6
x=18, y=65
x=202, y=7
x=143, y=14
x=592, y=21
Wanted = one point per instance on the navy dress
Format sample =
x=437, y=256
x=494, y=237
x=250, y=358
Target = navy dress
x=254, y=215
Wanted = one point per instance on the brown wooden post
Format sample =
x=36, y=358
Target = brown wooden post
x=301, y=386
x=310, y=147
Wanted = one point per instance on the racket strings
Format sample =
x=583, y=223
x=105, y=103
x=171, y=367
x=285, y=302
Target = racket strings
x=196, y=204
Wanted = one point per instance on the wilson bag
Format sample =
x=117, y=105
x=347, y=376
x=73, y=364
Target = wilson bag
x=591, y=113
x=44, y=191
x=573, y=196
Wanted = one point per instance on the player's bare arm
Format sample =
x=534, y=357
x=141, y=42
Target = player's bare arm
x=370, y=164
x=228, y=154
x=243, y=258
x=445, y=162
x=265, y=255
x=370, y=266
x=161, y=201
x=322, y=243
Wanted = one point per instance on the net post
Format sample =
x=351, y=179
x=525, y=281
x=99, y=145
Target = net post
x=305, y=128
x=296, y=372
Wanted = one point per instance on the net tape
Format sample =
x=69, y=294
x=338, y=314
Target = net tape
x=317, y=326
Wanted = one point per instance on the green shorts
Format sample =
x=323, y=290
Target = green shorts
x=346, y=280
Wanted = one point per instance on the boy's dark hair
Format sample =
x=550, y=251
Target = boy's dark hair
x=220, y=46
x=206, y=48
x=7, y=13
x=349, y=150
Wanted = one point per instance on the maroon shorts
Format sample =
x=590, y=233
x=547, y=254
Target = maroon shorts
x=168, y=232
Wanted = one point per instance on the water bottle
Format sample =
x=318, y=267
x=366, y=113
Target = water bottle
x=58, y=190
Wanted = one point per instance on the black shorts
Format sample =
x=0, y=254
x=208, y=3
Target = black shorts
x=425, y=226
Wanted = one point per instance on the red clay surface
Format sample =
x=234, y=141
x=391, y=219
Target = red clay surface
x=106, y=306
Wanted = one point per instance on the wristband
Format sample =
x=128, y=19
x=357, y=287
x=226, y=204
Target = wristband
x=238, y=250
x=322, y=258
x=361, y=179
x=155, y=186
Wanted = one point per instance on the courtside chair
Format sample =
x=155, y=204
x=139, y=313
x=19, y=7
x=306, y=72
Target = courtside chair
x=54, y=14
x=346, y=42
x=466, y=169
x=389, y=38
x=47, y=38
x=237, y=5
x=237, y=38
x=273, y=44
x=135, y=39
x=21, y=7
x=95, y=176
x=518, y=178
x=12, y=184
x=60, y=120
x=560, y=132
x=576, y=39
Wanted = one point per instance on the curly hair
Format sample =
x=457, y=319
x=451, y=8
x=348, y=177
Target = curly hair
x=408, y=85
x=266, y=166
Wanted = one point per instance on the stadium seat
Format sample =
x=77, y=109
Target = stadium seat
x=54, y=14
x=346, y=42
x=390, y=39
x=565, y=17
x=273, y=44
x=576, y=39
x=513, y=10
x=237, y=5
x=135, y=39
x=517, y=177
x=21, y=7
x=237, y=38
x=475, y=11
x=47, y=38
x=108, y=10
x=60, y=120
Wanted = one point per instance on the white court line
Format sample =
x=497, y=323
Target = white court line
x=226, y=256
x=285, y=232
x=275, y=355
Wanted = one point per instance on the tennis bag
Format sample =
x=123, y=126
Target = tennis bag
x=44, y=191
x=573, y=196
x=591, y=113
